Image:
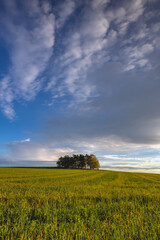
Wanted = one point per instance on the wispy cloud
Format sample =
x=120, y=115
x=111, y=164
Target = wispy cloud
x=137, y=56
x=6, y=97
x=64, y=10
x=31, y=43
x=99, y=33
x=109, y=35
x=80, y=46
x=23, y=141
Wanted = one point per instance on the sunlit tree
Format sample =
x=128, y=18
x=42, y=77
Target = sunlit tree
x=79, y=161
x=93, y=162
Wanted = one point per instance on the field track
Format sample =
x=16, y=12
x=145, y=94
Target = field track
x=37, y=203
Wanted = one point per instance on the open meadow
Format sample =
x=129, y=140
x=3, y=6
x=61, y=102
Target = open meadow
x=41, y=203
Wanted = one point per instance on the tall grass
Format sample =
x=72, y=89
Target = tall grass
x=78, y=204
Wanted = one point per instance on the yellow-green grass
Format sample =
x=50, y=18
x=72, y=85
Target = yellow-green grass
x=48, y=204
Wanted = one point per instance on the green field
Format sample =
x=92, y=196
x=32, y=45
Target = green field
x=78, y=204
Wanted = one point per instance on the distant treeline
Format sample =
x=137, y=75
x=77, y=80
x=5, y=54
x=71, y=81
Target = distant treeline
x=79, y=161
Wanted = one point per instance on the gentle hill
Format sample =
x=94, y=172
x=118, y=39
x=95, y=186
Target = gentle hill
x=38, y=203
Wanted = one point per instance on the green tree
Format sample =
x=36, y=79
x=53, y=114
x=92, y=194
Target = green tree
x=92, y=161
x=82, y=161
x=78, y=161
x=65, y=162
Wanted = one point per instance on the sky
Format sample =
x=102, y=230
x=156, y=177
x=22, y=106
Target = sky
x=80, y=76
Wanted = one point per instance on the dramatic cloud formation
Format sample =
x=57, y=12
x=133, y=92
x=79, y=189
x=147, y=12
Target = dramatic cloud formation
x=81, y=76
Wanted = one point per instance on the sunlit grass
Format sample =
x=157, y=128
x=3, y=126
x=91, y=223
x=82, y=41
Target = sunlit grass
x=78, y=204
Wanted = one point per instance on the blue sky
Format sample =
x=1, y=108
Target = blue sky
x=80, y=77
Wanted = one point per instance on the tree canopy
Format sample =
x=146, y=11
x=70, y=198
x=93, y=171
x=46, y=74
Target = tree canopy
x=79, y=161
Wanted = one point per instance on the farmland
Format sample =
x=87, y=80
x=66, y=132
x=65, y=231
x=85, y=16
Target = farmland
x=47, y=204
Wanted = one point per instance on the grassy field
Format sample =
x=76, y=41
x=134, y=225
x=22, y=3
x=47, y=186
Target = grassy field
x=78, y=204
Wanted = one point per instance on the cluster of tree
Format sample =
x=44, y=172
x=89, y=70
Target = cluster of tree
x=78, y=161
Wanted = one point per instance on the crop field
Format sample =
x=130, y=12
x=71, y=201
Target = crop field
x=59, y=204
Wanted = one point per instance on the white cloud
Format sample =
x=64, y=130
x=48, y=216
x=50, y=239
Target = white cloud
x=142, y=33
x=99, y=29
x=157, y=42
x=30, y=61
x=142, y=62
x=6, y=97
x=30, y=50
x=126, y=13
x=79, y=51
x=46, y=7
x=65, y=10
x=156, y=27
x=136, y=56
x=26, y=150
x=99, y=3
x=135, y=9
x=98, y=35
x=129, y=67
x=23, y=141
x=132, y=160
x=96, y=27
x=139, y=52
